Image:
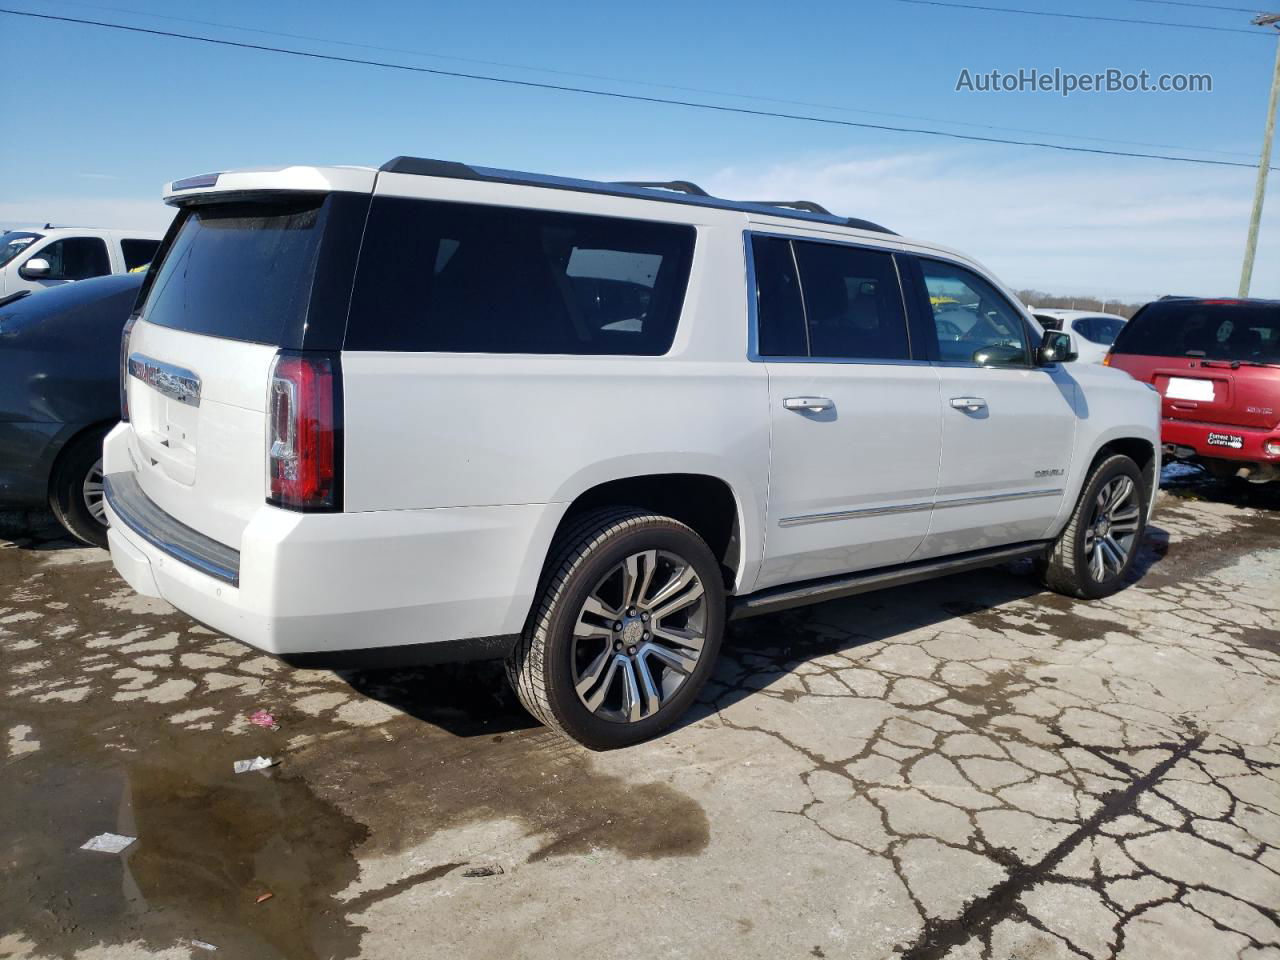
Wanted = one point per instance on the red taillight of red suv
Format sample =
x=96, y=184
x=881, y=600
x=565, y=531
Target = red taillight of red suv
x=302, y=432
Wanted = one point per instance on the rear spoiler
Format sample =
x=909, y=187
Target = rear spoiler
x=230, y=185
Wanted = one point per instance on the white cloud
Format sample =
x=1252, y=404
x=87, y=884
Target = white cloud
x=124, y=213
x=1120, y=229
x=1114, y=229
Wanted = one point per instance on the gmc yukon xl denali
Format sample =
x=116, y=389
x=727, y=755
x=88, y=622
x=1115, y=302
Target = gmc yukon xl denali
x=437, y=412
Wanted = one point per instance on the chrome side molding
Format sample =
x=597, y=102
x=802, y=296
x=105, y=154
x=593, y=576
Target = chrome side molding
x=999, y=497
x=176, y=383
x=914, y=507
x=850, y=514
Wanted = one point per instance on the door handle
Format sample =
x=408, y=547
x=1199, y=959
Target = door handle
x=809, y=404
x=969, y=404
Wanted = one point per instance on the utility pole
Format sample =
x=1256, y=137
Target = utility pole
x=1260, y=191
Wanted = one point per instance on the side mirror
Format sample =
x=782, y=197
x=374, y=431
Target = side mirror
x=1055, y=347
x=37, y=268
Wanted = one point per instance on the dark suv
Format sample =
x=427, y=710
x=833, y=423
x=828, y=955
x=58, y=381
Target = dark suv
x=1217, y=365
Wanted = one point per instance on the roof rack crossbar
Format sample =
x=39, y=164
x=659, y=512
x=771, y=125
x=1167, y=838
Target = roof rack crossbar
x=680, y=186
x=808, y=206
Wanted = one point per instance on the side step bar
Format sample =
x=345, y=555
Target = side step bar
x=833, y=588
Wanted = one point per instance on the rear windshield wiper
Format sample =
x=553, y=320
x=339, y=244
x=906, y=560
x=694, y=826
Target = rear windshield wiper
x=1237, y=364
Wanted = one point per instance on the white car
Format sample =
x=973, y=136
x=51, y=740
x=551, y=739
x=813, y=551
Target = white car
x=1092, y=333
x=437, y=412
x=35, y=259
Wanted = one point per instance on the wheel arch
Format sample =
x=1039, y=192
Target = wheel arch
x=1143, y=450
x=73, y=436
x=705, y=502
x=1138, y=449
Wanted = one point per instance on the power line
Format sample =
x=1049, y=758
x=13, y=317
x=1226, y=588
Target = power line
x=609, y=94
x=1201, y=6
x=670, y=86
x=1082, y=16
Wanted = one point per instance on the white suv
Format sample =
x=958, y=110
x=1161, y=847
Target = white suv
x=1092, y=333
x=34, y=259
x=437, y=412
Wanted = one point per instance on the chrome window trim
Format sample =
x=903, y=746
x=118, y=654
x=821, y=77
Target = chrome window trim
x=914, y=507
x=176, y=383
x=753, y=313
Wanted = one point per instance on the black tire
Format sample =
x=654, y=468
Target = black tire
x=1069, y=569
x=78, y=458
x=540, y=667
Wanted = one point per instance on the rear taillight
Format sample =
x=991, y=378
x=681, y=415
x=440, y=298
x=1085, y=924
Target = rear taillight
x=124, y=366
x=302, y=432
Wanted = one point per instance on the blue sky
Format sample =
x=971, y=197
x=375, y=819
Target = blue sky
x=96, y=121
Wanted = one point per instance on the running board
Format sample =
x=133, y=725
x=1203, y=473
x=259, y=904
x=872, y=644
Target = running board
x=833, y=588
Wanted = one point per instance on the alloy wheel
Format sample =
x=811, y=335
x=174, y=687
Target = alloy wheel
x=638, y=636
x=1113, y=528
x=93, y=493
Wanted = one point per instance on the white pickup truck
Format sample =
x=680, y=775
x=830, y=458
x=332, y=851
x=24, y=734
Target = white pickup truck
x=35, y=259
x=438, y=412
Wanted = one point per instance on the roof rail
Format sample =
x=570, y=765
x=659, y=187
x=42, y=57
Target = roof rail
x=672, y=191
x=680, y=186
x=859, y=224
x=808, y=206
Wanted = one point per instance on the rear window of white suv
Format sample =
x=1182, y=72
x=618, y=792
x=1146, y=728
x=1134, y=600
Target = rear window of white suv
x=242, y=271
x=463, y=278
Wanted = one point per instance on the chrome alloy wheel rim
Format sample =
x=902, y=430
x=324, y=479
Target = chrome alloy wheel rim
x=93, y=493
x=638, y=636
x=1113, y=528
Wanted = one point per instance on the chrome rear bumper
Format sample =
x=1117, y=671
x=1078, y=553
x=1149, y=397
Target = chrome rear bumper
x=134, y=508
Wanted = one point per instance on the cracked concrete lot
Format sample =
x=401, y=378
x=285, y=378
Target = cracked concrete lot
x=971, y=768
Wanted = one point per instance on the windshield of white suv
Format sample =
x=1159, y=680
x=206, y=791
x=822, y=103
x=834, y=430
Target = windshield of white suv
x=13, y=242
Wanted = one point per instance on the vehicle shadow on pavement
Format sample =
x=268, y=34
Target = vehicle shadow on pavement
x=1200, y=485
x=474, y=699
x=464, y=699
x=35, y=530
x=776, y=645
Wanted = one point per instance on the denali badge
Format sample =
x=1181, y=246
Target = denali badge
x=177, y=383
x=1226, y=440
x=1041, y=474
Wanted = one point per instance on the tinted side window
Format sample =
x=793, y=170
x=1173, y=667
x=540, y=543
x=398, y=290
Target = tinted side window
x=1049, y=323
x=76, y=258
x=975, y=323
x=853, y=302
x=452, y=277
x=138, y=253
x=779, y=311
x=1099, y=330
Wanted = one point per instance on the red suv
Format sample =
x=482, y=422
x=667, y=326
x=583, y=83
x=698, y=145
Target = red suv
x=1217, y=365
